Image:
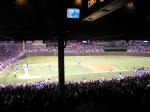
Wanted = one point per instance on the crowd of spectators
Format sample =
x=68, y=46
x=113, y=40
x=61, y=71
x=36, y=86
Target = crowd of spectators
x=51, y=49
x=119, y=43
x=9, y=53
x=82, y=48
x=70, y=49
x=125, y=95
x=121, y=94
x=139, y=46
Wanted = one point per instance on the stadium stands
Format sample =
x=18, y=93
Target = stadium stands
x=127, y=94
x=10, y=52
x=120, y=94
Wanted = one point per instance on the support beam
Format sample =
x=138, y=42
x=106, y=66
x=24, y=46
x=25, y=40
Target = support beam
x=61, y=61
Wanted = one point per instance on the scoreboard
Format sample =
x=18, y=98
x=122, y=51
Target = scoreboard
x=94, y=9
x=91, y=3
x=88, y=10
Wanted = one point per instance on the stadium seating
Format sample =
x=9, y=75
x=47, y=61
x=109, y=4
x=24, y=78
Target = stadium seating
x=11, y=52
x=121, y=94
x=130, y=93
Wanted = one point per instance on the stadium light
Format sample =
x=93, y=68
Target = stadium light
x=130, y=6
x=101, y=0
x=78, y=2
x=145, y=41
x=21, y=2
x=84, y=41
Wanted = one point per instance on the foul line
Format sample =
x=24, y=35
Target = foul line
x=96, y=72
x=49, y=76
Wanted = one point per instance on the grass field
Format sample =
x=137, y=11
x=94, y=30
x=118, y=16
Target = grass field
x=76, y=67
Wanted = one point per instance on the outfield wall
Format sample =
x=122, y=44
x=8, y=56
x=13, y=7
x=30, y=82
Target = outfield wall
x=91, y=54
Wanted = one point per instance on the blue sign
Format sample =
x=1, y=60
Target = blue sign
x=73, y=13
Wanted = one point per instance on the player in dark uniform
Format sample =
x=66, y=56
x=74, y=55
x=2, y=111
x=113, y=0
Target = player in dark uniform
x=79, y=63
x=50, y=67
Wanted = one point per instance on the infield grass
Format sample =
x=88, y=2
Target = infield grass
x=76, y=67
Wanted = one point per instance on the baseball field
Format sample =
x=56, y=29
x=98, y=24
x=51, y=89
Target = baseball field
x=76, y=68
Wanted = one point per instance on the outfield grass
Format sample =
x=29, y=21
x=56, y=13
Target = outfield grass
x=76, y=67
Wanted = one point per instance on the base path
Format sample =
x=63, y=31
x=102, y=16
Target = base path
x=32, y=77
x=102, y=67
